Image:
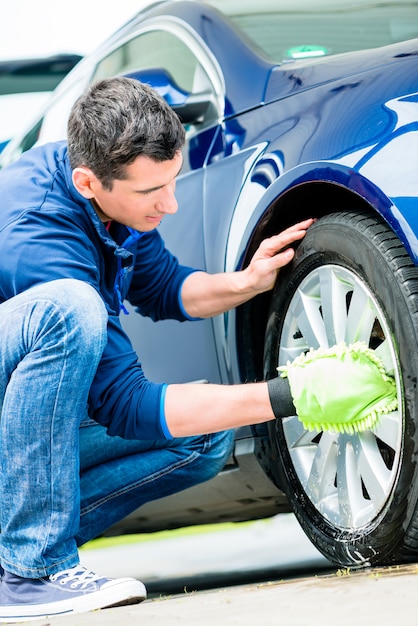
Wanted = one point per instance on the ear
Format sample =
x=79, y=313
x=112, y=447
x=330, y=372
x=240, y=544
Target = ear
x=85, y=182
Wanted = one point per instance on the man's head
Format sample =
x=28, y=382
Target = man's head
x=124, y=146
x=117, y=120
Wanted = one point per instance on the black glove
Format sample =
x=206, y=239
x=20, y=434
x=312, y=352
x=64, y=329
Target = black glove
x=280, y=397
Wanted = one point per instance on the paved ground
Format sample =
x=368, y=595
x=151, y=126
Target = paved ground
x=265, y=550
x=382, y=598
x=278, y=578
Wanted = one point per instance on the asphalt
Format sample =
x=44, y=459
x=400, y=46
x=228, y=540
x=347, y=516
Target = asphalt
x=266, y=573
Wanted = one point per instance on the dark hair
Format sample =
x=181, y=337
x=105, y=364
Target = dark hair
x=115, y=121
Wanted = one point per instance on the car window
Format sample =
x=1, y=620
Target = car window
x=150, y=49
x=295, y=29
x=157, y=49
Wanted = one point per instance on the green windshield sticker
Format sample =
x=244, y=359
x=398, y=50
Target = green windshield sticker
x=306, y=52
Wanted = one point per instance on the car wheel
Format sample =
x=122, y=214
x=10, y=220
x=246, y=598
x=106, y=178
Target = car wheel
x=354, y=495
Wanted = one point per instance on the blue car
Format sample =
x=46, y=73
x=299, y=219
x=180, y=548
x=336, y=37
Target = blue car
x=292, y=109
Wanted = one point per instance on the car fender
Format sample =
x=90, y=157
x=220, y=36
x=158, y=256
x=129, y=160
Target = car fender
x=249, y=217
x=397, y=204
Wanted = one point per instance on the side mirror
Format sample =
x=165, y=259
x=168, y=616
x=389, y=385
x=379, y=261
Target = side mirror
x=191, y=108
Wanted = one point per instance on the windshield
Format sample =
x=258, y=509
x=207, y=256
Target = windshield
x=283, y=30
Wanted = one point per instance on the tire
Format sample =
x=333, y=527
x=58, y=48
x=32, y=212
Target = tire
x=355, y=496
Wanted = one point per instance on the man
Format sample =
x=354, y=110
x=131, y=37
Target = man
x=85, y=437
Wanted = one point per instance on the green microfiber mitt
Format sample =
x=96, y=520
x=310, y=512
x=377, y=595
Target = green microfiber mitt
x=340, y=389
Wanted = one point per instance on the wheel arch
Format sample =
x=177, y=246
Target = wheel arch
x=317, y=190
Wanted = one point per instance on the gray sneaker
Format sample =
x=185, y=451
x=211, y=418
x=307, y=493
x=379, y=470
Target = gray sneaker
x=74, y=590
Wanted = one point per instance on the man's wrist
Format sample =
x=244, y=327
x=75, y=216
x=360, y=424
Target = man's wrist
x=281, y=399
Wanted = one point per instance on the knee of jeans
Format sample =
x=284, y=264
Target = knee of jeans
x=80, y=305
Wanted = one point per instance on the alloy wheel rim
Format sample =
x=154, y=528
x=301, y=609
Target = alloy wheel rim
x=348, y=478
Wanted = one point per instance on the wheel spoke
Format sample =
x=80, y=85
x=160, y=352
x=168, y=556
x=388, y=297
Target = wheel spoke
x=309, y=320
x=372, y=467
x=354, y=508
x=361, y=316
x=385, y=352
x=387, y=429
x=333, y=293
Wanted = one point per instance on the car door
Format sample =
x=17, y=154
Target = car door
x=170, y=48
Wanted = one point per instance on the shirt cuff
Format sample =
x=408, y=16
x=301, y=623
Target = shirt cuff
x=182, y=309
x=163, y=421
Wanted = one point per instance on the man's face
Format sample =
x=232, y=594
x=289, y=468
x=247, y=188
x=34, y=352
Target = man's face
x=144, y=197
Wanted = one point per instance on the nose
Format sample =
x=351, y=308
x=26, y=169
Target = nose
x=167, y=202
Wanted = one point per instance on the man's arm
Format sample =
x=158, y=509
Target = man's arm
x=339, y=389
x=206, y=295
x=197, y=409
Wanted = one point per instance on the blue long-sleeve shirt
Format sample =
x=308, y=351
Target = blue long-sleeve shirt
x=49, y=231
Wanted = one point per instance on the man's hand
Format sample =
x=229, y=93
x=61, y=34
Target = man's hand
x=272, y=254
x=206, y=295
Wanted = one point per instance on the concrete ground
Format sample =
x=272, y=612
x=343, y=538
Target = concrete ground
x=265, y=574
x=384, y=598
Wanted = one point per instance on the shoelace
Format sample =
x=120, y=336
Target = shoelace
x=78, y=576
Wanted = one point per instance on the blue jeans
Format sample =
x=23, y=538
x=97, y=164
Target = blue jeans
x=63, y=480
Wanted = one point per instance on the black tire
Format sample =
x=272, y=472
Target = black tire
x=355, y=496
